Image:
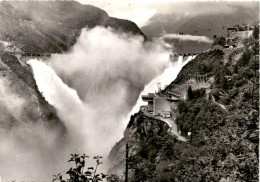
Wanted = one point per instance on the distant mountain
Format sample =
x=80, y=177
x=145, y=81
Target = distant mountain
x=46, y=26
x=187, y=44
x=28, y=123
x=123, y=25
x=52, y=26
x=202, y=18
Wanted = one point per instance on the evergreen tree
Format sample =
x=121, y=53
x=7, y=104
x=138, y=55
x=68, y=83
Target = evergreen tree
x=235, y=69
x=244, y=60
x=226, y=71
x=224, y=83
x=256, y=33
x=217, y=76
x=190, y=93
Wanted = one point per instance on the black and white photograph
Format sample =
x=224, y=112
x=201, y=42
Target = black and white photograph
x=129, y=91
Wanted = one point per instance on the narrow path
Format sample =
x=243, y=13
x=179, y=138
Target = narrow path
x=172, y=125
x=220, y=105
x=173, y=128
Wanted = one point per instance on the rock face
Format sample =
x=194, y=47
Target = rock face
x=139, y=127
x=21, y=103
x=53, y=26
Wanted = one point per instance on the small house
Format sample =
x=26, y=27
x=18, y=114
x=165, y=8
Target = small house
x=231, y=30
x=226, y=46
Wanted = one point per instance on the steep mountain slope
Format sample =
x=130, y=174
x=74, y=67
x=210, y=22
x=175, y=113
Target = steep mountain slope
x=31, y=134
x=220, y=121
x=180, y=45
x=52, y=26
x=141, y=129
x=21, y=101
x=203, y=18
x=123, y=26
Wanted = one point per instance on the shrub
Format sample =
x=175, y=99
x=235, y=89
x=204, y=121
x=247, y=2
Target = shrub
x=244, y=59
x=224, y=83
x=256, y=32
x=235, y=69
x=225, y=70
x=199, y=93
x=79, y=174
x=220, y=41
x=190, y=93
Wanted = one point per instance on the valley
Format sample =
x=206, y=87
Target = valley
x=181, y=93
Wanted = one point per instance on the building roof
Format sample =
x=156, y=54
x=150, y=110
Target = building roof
x=226, y=45
x=148, y=98
x=231, y=28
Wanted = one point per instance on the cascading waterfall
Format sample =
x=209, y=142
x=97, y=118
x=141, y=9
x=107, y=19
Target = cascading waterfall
x=188, y=60
x=165, y=79
x=180, y=60
x=62, y=97
x=77, y=115
x=52, y=87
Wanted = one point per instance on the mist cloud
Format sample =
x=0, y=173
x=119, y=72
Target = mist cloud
x=140, y=11
x=187, y=38
x=96, y=84
x=10, y=101
x=93, y=88
x=108, y=70
x=26, y=145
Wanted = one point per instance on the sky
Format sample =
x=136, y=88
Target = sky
x=140, y=11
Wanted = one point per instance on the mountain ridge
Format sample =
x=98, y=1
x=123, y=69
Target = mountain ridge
x=203, y=18
x=47, y=26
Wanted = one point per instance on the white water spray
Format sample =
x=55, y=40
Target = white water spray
x=165, y=79
x=53, y=89
x=188, y=60
x=180, y=59
x=51, y=86
x=107, y=83
x=70, y=108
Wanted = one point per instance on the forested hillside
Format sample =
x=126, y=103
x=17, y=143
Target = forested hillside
x=52, y=26
x=220, y=123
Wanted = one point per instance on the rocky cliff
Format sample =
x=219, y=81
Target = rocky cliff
x=21, y=102
x=140, y=127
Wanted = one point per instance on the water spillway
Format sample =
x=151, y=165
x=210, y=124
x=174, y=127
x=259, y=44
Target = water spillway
x=66, y=99
x=165, y=79
x=52, y=87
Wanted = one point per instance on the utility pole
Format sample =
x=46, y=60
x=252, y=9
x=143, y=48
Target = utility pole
x=255, y=60
x=255, y=53
x=255, y=81
x=126, y=163
x=191, y=132
x=253, y=96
